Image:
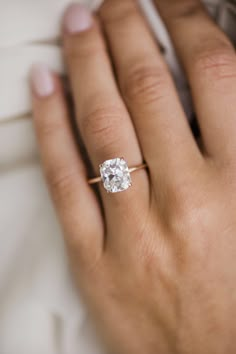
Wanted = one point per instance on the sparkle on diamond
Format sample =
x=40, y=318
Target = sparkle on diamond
x=115, y=175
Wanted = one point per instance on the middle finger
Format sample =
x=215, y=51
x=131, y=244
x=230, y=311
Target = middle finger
x=210, y=63
x=147, y=87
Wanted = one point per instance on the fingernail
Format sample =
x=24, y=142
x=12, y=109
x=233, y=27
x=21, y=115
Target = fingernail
x=77, y=19
x=42, y=80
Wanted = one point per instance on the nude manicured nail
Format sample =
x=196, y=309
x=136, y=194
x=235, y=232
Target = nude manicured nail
x=77, y=19
x=42, y=80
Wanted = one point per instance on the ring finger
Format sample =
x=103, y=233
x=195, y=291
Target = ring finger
x=102, y=118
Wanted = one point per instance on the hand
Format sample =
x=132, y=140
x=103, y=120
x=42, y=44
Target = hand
x=156, y=263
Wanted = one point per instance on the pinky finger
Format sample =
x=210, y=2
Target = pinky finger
x=74, y=199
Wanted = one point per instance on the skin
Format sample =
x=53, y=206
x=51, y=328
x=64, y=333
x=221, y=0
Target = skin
x=156, y=264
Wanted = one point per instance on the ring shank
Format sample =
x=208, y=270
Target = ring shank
x=131, y=170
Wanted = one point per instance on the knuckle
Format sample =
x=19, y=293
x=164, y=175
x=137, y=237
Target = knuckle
x=190, y=222
x=113, y=11
x=62, y=182
x=47, y=128
x=184, y=9
x=216, y=62
x=145, y=83
x=102, y=124
x=86, y=51
x=189, y=208
x=83, y=46
x=186, y=216
x=185, y=221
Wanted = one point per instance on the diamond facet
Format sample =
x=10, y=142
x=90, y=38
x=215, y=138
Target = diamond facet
x=115, y=175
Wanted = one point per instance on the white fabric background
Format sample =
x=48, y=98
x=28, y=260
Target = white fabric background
x=40, y=312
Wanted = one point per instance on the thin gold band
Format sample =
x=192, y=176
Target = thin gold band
x=132, y=169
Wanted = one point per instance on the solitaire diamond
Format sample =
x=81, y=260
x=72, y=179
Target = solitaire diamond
x=115, y=175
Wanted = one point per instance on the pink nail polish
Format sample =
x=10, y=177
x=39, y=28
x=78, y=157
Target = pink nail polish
x=77, y=19
x=42, y=80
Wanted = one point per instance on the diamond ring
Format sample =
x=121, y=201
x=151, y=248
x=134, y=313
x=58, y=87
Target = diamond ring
x=115, y=175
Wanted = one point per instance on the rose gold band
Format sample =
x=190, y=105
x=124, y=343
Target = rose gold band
x=132, y=169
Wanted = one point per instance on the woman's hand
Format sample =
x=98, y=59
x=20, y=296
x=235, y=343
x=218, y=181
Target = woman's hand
x=156, y=263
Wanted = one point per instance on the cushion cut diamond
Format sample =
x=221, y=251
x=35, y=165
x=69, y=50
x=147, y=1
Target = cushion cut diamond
x=115, y=175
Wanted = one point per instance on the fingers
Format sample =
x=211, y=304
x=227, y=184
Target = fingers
x=147, y=87
x=64, y=169
x=102, y=118
x=210, y=62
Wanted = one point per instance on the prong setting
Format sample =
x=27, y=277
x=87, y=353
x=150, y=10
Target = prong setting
x=115, y=175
